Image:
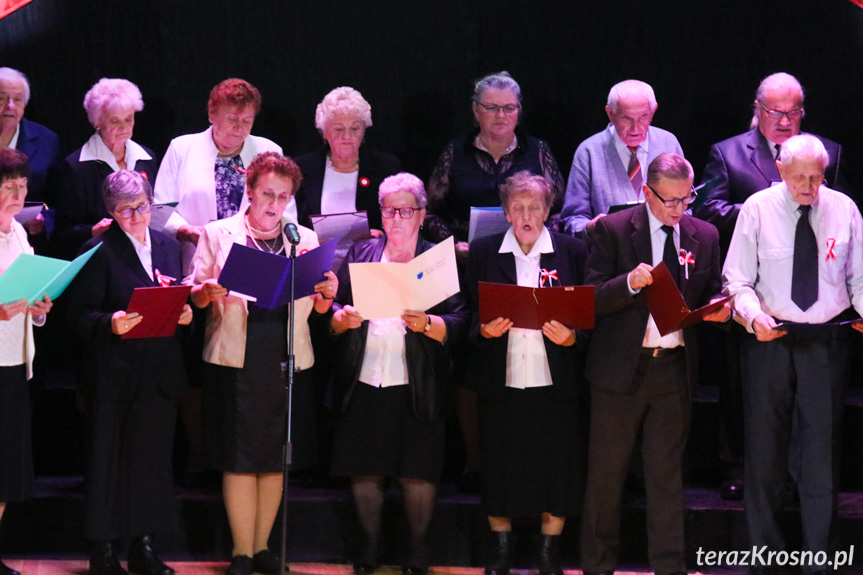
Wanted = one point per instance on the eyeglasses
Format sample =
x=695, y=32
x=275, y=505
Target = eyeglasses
x=493, y=109
x=129, y=212
x=791, y=114
x=406, y=213
x=674, y=203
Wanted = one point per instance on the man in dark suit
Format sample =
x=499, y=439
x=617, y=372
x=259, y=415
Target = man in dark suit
x=640, y=381
x=737, y=168
x=40, y=145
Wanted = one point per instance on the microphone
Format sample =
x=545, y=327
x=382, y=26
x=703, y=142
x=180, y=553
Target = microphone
x=292, y=233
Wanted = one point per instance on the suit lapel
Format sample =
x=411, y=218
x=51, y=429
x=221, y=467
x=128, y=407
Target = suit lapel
x=689, y=242
x=761, y=156
x=641, y=235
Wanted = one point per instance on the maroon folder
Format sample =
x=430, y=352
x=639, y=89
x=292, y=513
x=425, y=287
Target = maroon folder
x=160, y=307
x=529, y=308
x=667, y=306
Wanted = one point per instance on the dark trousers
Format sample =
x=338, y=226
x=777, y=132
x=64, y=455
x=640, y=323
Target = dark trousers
x=130, y=481
x=802, y=377
x=658, y=405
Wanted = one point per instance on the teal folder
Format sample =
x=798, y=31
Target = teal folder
x=32, y=277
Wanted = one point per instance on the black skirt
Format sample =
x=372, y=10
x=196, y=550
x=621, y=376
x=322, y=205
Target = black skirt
x=16, y=447
x=378, y=435
x=533, y=454
x=244, y=409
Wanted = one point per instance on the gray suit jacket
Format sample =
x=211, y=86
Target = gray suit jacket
x=598, y=179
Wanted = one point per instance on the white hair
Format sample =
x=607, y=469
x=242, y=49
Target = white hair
x=497, y=81
x=803, y=147
x=776, y=81
x=345, y=101
x=403, y=182
x=110, y=95
x=630, y=89
x=12, y=75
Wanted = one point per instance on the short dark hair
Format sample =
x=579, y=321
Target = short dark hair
x=125, y=186
x=670, y=166
x=13, y=164
x=273, y=163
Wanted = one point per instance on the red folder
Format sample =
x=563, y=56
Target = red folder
x=160, y=307
x=529, y=308
x=667, y=306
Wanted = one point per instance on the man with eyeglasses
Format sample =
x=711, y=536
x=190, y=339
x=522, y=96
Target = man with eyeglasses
x=737, y=168
x=740, y=166
x=641, y=381
x=609, y=167
x=796, y=256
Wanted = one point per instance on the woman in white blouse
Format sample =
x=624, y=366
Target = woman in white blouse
x=16, y=343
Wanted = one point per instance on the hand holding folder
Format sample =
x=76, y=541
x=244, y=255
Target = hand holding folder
x=530, y=308
x=667, y=306
x=33, y=277
x=159, y=308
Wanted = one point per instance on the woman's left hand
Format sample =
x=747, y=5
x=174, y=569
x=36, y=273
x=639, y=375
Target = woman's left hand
x=558, y=333
x=186, y=316
x=41, y=307
x=415, y=320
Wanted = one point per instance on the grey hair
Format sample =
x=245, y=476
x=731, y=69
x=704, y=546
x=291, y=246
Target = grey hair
x=403, y=182
x=525, y=182
x=669, y=166
x=774, y=82
x=803, y=147
x=344, y=100
x=497, y=81
x=630, y=88
x=13, y=75
x=109, y=95
x=125, y=186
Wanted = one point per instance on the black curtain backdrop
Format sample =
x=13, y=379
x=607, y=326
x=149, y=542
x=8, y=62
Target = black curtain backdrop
x=415, y=62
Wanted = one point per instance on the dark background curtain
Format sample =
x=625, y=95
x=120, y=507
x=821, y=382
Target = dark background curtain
x=415, y=63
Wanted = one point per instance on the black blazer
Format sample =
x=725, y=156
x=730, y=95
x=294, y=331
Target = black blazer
x=429, y=362
x=374, y=168
x=487, y=370
x=116, y=369
x=619, y=243
x=743, y=165
x=80, y=205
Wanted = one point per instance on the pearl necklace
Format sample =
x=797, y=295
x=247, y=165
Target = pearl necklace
x=509, y=148
x=261, y=232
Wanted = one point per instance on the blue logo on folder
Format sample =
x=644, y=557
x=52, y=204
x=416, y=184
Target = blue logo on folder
x=420, y=276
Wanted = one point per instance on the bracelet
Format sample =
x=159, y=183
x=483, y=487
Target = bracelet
x=327, y=298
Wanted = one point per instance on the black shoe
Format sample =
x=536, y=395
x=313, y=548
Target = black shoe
x=143, y=559
x=103, y=560
x=501, y=554
x=364, y=568
x=6, y=570
x=406, y=570
x=267, y=563
x=732, y=490
x=240, y=565
x=549, y=558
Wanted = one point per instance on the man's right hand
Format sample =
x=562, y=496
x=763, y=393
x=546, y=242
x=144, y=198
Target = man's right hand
x=641, y=276
x=764, y=327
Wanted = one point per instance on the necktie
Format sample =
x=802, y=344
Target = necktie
x=634, y=171
x=669, y=255
x=804, y=275
x=778, y=149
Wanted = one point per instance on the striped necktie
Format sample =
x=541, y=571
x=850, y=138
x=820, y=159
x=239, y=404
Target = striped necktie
x=634, y=171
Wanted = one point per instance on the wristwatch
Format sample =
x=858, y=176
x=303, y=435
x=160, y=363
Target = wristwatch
x=428, y=325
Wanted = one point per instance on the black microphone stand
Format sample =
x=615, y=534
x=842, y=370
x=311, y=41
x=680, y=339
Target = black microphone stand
x=288, y=451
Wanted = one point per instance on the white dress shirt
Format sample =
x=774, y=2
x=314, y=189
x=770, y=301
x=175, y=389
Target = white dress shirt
x=526, y=360
x=144, y=251
x=95, y=149
x=759, y=264
x=625, y=155
x=385, y=360
x=657, y=247
x=13, y=143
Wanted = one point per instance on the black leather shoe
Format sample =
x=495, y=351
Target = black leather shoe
x=6, y=570
x=103, y=560
x=143, y=559
x=240, y=565
x=549, y=558
x=732, y=490
x=364, y=568
x=267, y=563
x=500, y=558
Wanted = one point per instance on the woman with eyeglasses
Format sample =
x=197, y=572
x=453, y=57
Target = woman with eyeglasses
x=131, y=386
x=391, y=383
x=469, y=174
x=111, y=105
x=532, y=407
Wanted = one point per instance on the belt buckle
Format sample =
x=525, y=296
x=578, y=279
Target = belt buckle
x=657, y=351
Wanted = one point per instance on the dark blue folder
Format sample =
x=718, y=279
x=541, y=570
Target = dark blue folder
x=266, y=277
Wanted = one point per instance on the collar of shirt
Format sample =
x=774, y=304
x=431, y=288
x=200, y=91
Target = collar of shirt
x=95, y=149
x=657, y=234
x=13, y=143
x=625, y=154
x=144, y=251
x=543, y=245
